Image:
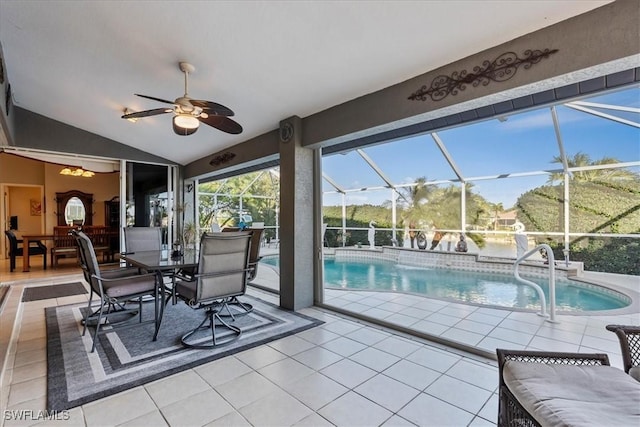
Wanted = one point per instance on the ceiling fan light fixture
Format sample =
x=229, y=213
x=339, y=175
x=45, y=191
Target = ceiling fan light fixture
x=183, y=131
x=66, y=171
x=186, y=121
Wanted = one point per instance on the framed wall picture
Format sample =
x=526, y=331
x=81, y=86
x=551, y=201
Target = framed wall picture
x=36, y=207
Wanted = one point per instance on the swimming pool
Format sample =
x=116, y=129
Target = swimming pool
x=471, y=287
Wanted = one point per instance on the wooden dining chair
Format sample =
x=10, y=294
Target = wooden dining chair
x=99, y=236
x=15, y=250
x=64, y=245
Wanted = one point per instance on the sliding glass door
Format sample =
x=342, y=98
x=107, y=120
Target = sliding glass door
x=148, y=192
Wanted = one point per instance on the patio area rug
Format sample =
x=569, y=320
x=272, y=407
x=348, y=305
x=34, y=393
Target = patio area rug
x=53, y=291
x=127, y=357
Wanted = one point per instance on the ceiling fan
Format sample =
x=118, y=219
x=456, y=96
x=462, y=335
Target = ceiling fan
x=188, y=113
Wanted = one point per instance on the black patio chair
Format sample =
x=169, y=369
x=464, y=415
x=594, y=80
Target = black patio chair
x=222, y=275
x=15, y=250
x=116, y=288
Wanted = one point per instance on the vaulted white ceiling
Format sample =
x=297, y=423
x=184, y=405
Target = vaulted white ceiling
x=80, y=62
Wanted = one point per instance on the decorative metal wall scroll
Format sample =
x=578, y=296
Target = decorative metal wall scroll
x=501, y=69
x=222, y=158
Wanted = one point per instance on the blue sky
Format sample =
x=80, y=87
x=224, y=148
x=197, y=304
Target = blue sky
x=524, y=142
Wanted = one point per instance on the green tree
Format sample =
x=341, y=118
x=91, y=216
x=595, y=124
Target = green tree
x=581, y=159
x=358, y=216
x=600, y=201
x=413, y=204
x=259, y=190
x=430, y=206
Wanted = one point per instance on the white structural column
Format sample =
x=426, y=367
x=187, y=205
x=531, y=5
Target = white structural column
x=296, y=217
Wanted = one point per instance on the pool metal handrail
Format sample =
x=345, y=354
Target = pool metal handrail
x=551, y=317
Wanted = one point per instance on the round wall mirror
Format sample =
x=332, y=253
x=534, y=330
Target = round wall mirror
x=75, y=208
x=74, y=213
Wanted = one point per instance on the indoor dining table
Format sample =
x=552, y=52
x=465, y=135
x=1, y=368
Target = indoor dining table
x=25, y=244
x=162, y=261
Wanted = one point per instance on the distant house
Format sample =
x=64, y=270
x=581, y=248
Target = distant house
x=504, y=220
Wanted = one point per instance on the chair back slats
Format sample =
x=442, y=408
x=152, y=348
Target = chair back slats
x=222, y=270
x=97, y=234
x=140, y=239
x=62, y=238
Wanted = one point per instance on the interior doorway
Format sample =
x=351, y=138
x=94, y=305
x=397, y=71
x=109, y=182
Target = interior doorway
x=22, y=210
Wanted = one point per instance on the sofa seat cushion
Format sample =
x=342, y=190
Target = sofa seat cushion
x=568, y=395
x=635, y=372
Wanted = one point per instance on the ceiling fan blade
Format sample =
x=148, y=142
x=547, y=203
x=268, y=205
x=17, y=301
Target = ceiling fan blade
x=222, y=123
x=154, y=98
x=212, y=107
x=147, y=113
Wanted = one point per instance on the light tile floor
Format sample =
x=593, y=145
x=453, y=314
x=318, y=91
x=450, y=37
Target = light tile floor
x=344, y=372
x=488, y=328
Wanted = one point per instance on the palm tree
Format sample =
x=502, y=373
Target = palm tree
x=581, y=160
x=429, y=205
x=414, y=202
x=497, y=209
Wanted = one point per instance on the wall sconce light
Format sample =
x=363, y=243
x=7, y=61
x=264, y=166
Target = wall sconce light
x=131, y=119
x=76, y=172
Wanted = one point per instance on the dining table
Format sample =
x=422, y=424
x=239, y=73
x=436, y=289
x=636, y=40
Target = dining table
x=163, y=261
x=26, y=239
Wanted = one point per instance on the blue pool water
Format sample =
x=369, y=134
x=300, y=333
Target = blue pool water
x=473, y=287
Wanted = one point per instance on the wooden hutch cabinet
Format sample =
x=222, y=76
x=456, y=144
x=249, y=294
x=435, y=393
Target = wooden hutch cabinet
x=112, y=222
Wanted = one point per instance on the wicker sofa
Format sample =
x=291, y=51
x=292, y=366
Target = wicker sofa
x=538, y=388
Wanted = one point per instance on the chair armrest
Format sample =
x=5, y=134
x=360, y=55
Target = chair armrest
x=39, y=244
